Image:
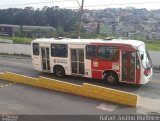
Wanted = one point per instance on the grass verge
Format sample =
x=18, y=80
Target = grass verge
x=154, y=46
x=19, y=40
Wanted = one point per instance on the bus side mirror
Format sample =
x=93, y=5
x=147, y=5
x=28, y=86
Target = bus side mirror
x=142, y=56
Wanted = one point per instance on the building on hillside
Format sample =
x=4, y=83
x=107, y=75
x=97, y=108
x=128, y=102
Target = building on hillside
x=90, y=27
x=27, y=31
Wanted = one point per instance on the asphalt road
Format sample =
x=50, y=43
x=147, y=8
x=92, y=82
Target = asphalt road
x=20, y=99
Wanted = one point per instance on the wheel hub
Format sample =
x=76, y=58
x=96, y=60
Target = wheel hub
x=111, y=79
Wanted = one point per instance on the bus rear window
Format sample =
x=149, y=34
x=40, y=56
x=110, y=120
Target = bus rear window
x=35, y=49
x=59, y=50
x=91, y=51
x=108, y=53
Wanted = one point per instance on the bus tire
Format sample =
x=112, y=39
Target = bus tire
x=111, y=78
x=59, y=71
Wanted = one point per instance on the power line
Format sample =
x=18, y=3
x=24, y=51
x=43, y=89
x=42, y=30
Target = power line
x=115, y=4
x=35, y=3
x=90, y=6
x=121, y=4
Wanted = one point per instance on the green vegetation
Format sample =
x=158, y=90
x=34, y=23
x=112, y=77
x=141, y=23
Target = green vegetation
x=74, y=35
x=19, y=40
x=92, y=36
x=104, y=29
x=155, y=46
x=138, y=37
x=22, y=40
x=2, y=37
x=151, y=45
x=47, y=16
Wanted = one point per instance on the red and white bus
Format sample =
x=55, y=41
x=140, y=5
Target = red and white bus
x=114, y=60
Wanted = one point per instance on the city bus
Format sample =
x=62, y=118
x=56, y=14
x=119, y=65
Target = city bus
x=113, y=60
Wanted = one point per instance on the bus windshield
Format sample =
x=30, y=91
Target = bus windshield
x=144, y=57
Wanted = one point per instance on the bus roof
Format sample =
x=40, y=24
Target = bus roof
x=133, y=43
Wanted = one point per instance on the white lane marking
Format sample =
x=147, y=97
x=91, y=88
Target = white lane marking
x=107, y=107
x=6, y=85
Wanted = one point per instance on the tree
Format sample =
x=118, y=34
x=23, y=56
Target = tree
x=48, y=16
x=60, y=31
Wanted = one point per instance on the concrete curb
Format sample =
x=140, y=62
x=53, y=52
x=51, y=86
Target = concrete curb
x=87, y=90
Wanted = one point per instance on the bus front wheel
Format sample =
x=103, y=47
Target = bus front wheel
x=59, y=71
x=111, y=78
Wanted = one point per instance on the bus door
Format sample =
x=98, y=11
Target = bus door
x=45, y=59
x=128, y=66
x=77, y=61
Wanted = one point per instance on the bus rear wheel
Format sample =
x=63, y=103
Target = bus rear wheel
x=111, y=78
x=59, y=71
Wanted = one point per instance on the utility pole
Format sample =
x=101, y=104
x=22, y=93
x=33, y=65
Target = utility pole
x=79, y=21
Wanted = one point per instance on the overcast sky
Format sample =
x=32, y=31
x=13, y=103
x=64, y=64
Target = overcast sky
x=148, y=4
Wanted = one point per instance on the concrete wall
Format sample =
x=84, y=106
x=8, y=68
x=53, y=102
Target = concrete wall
x=26, y=49
x=155, y=56
x=15, y=48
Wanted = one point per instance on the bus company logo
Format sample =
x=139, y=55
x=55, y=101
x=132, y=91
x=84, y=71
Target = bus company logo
x=95, y=64
x=115, y=66
x=60, y=61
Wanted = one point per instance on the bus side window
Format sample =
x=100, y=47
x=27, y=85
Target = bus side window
x=59, y=50
x=114, y=54
x=108, y=53
x=91, y=51
x=35, y=49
